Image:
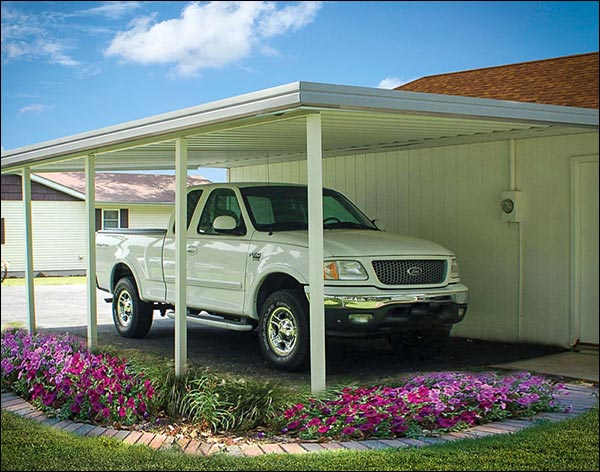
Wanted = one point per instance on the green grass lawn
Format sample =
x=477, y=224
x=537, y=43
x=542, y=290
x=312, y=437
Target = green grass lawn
x=568, y=445
x=16, y=282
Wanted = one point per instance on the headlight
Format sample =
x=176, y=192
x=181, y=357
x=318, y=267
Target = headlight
x=454, y=269
x=344, y=270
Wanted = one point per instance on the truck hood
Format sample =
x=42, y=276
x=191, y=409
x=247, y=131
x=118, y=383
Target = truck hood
x=361, y=243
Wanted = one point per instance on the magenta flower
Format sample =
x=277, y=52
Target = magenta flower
x=442, y=400
x=59, y=375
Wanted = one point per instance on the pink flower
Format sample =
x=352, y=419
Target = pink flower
x=314, y=422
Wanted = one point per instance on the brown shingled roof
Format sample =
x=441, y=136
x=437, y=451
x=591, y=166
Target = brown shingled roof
x=125, y=188
x=569, y=81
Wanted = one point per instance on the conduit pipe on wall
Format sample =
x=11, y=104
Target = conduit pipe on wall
x=512, y=169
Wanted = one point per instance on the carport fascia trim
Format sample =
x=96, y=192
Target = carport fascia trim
x=269, y=103
x=258, y=106
x=346, y=97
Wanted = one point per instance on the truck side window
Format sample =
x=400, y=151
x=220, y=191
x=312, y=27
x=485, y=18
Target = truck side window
x=193, y=197
x=222, y=201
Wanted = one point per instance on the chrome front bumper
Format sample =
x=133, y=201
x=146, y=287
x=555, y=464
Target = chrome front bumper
x=456, y=293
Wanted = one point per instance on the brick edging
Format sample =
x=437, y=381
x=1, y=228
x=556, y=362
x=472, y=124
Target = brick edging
x=580, y=398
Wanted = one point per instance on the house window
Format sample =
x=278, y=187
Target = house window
x=3, y=242
x=110, y=219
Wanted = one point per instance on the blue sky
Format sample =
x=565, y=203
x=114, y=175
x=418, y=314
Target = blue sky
x=71, y=67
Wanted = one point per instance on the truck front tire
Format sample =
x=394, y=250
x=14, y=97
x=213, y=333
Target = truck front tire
x=283, y=329
x=132, y=316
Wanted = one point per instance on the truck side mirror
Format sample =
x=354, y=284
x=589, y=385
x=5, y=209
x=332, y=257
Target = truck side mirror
x=380, y=225
x=224, y=224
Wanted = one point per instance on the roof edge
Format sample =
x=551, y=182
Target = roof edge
x=56, y=186
x=369, y=99
x=240, y=106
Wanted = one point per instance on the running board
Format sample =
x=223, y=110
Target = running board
x=215, y=322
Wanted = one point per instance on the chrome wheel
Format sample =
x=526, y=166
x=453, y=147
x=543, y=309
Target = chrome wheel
x=125, y=309
x=282, y=332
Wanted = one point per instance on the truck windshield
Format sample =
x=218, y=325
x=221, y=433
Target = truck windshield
x=282, y=208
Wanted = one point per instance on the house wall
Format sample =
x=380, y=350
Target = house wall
x=59, y=234
x=451, y=195
x=150, y=216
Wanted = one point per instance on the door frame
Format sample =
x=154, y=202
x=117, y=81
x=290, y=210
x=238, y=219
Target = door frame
x=575, y=322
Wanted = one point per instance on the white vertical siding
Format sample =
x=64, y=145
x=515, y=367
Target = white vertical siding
x=451, y=195
x=544, y=177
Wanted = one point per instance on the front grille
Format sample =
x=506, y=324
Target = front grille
x=410, y=272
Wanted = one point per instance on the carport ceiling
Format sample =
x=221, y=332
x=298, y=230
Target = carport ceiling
x=269, y=126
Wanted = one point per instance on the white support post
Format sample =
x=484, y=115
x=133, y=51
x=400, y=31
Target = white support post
x=90, y=209
x=315, y=252
x=26, y=188
x=181, y=155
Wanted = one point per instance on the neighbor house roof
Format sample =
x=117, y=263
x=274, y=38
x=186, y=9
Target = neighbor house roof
x=122, y=187
x=568, y=81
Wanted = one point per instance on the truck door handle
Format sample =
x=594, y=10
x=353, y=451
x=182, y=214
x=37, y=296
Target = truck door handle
x=192, y=250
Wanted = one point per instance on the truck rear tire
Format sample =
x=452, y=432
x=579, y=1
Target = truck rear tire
x=422, y=345
x=283, y=330
x=132, y=316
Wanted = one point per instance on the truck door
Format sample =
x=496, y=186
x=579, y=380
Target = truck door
x=193, y=199
x=216, y=261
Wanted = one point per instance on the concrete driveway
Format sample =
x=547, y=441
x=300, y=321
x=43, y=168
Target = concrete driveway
x=62, y=308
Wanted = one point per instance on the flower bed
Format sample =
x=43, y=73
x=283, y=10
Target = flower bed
x=59, y=376
x=424, y=404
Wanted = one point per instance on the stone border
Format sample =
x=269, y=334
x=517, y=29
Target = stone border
x=579, y=397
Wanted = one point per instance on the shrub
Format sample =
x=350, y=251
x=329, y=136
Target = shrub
x=227, y=404
x=422, y=404
x=59, y=376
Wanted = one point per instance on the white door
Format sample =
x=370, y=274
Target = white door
x=586, y=248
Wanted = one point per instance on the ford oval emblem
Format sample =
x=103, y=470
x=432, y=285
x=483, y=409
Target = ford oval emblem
x=414, y=271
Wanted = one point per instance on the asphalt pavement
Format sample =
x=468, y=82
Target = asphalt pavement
x=62, y=308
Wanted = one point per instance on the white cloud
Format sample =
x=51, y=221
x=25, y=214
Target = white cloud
x=392, y=82
x=25, y=37
x=291, y=17
x=111, y=9
x=52, y=35
x=33, y=108
x=209, y=35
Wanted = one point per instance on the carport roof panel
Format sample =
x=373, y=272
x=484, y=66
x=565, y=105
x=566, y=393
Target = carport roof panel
x=244, y=129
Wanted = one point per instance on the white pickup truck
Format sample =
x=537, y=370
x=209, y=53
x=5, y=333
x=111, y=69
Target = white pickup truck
x=247, y=268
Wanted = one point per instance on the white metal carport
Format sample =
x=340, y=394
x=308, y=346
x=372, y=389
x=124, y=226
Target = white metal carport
x=297, y=121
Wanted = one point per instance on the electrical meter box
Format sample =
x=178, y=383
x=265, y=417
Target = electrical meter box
x=511, y=206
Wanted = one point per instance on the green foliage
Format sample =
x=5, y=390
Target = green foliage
x=215, y=400
x=227, y=404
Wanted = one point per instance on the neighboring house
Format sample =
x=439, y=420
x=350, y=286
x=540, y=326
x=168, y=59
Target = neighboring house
x=123, y=200
x=533, y=273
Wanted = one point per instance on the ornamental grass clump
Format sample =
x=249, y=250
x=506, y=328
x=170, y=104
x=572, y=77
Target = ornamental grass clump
x=59, y=376
x=422, y=405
